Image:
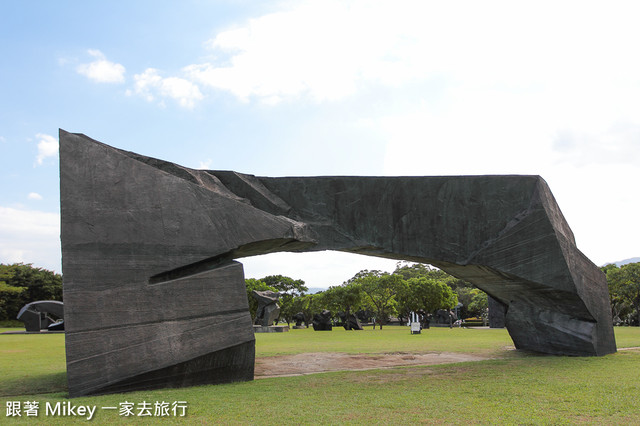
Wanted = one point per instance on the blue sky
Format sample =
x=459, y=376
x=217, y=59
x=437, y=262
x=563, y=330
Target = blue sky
x=327, y=88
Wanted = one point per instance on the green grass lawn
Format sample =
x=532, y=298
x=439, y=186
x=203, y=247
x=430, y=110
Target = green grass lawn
x=521, y=388
x=389, y=339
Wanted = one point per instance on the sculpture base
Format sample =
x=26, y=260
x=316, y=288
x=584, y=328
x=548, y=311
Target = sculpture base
x=234, y=364
x=270, y=329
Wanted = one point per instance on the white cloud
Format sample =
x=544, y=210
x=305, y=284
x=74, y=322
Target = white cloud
x=328, y=50
x=591, y=169
x=146, y=84
x=467, y=87
x=618, y=143
x=101, y=70
x=205, y=165
x=317, y=49
x=47, y=147
x=30, y=236
x=34, y=196
x=599, y=203
x=317, y=269
x=183, y=91
x=494, y=87
x=150, y=85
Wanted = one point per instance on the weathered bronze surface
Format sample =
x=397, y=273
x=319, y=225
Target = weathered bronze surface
x=154, y=298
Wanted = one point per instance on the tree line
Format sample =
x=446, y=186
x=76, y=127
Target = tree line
x=23, y=283
x=411, y=287
x=414, y=287
x=624, y=292
x=379, y=295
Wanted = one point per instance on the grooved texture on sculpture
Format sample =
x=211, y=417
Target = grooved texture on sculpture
x=150, y=283
x=123, y=222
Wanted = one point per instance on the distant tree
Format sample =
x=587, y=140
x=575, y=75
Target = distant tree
x=431, y=294
x=624, y=289
x=285, y=284
x=419, y=270
x=428, y=288
x=291, y=305
x=621, y=308
x=317, y=303
x=288, y=289
x=474, y=301
x=380, y=289
x=304, y=304
x=465, y=295
x=23, y=283
x=11, y=299
x=606, y=268
x=479, y=303
x=406, y=301
x=410, y=270
x=344, y=298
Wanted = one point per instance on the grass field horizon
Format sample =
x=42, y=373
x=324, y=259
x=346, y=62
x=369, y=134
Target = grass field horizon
x=515, y=387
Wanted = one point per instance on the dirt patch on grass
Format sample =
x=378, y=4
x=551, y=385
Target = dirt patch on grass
x=318, y=362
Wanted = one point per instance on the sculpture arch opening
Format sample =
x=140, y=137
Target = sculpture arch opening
x=148, y=251
x=321, y=270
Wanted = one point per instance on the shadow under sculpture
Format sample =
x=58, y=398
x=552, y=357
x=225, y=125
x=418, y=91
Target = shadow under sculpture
x=153, y=297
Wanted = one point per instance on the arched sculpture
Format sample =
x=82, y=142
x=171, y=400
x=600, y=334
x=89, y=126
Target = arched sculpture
x=36, y=316
x=154, y=298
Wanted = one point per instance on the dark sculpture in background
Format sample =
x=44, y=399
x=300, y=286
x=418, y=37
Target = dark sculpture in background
x=322, y=321
x=268, y=308
x=445, y=317
x=42, y=315
x=154, y=298
x=425, y=318
x=350, y=321
x=299, y=318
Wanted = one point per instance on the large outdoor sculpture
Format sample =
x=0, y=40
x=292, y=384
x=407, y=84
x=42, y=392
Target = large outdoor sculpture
x=322, y=321
x=350, y=321
x=154, y=298
x=496, y=313
x=42, y=315
x=268, y=309
x=299, y=319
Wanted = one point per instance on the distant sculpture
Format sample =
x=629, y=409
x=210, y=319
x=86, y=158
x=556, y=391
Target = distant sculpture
x=425, y=318
x=150, y=280
x=444, y=316
x=322, y=321
x=299, y=318
x=268, y=308
x=364, y=315
x=37, y=316
x=350, y=321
